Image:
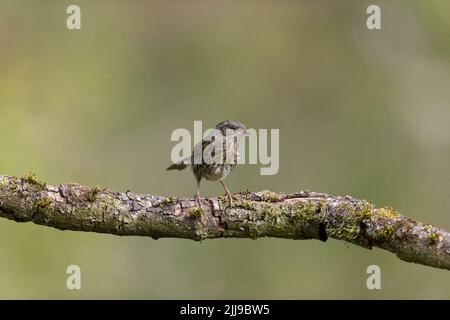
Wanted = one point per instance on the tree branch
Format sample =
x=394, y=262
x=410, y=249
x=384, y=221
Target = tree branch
x=303, y=215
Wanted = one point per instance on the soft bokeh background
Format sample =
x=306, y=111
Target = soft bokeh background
x=360, y=112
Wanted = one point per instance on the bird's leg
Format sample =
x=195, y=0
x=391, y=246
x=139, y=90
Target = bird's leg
x=230, y=197
x=197, y=194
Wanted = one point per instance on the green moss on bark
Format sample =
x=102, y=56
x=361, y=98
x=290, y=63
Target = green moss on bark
x=31, y=179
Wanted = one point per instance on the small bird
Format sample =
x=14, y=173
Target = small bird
x=215, y=156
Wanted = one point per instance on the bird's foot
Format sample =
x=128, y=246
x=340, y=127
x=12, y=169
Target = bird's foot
x=230, y=198
x=197, y=198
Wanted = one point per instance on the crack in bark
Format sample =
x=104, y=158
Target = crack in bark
x=366, y=241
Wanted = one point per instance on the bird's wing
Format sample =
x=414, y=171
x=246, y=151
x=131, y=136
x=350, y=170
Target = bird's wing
x=214, y=149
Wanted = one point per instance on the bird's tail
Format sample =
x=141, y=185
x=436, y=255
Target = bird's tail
x=177, y=166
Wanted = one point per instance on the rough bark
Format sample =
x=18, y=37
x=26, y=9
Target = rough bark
x=303, y=215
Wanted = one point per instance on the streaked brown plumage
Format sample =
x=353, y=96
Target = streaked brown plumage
x=216, y=155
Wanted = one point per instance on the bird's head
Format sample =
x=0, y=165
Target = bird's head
x=233, y=126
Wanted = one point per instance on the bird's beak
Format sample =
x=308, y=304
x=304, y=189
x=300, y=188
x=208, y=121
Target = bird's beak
x=246, y=133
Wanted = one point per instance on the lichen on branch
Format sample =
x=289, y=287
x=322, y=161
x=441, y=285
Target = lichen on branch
x=302, y=215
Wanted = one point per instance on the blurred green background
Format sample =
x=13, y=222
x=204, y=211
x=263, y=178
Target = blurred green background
x=360, y=112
